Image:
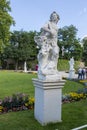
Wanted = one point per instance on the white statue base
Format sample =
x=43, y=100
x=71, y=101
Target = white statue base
x=48, y=96
x=71, y=74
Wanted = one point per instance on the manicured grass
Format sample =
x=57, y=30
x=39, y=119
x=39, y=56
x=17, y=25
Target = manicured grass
x=13, y=82
x=71, y=86
x=73, y=114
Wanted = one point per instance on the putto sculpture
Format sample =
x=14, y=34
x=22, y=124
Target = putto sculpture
x=49, y=51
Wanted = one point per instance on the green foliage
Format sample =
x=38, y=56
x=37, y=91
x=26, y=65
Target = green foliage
x=22, y=47
x=67, y=38
x=16, y=102
x=85, y=50
x=63, y=65
x=32, y=64
x=0, y=62
x=5, y=22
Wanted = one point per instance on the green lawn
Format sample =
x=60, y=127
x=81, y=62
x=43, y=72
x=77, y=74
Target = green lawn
x=13, y=82
x=73, y=114
x=71, y=86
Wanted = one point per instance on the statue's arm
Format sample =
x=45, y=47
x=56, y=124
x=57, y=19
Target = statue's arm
x=46, y=28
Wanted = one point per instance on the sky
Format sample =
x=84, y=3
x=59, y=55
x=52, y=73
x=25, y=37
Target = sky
x=31, y=15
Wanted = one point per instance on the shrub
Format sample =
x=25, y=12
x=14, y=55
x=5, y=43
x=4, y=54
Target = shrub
x=17, y=102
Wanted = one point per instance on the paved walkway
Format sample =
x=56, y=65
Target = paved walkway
x=62, y=73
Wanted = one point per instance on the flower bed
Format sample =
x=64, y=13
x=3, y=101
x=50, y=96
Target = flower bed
x=16, y=103
x=21, y=101
x=75, y=96
x=78, y=95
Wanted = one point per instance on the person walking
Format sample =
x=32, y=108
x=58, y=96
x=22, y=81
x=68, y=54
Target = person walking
x=83, y=73
x=80, y=73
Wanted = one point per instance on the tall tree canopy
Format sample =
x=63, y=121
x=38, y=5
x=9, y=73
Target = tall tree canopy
x=67, y=38
x=5, y=22
x=22, y=47
x=84, y=41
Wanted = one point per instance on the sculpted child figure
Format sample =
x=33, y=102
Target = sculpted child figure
x=49, y=50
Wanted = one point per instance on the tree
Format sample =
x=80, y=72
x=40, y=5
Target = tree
x=84, y=57
x=22, y=47
x=5, y=22
x=67, y=38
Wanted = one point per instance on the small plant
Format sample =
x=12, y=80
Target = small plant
x=17, y=102
x=30, y=103
x=6, y=104
x=75, y=96
x=1, y=107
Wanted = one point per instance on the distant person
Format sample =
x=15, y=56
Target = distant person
x=36, y=67
x=80, y=73
x=86, y=73
x=83, y=73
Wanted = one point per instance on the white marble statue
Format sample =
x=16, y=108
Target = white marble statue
x=71, y=70
x=25, y=67
x=49, y=50
x=71, y=63
x=62, y=50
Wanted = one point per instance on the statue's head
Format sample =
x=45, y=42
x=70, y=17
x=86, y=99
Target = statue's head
x=54, y=17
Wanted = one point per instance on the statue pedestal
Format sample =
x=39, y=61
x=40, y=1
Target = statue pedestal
x=48, y=102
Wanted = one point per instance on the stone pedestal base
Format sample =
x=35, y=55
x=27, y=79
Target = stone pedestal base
x=48, y=101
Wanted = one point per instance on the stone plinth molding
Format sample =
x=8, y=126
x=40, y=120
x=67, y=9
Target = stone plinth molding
x=48, y=101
